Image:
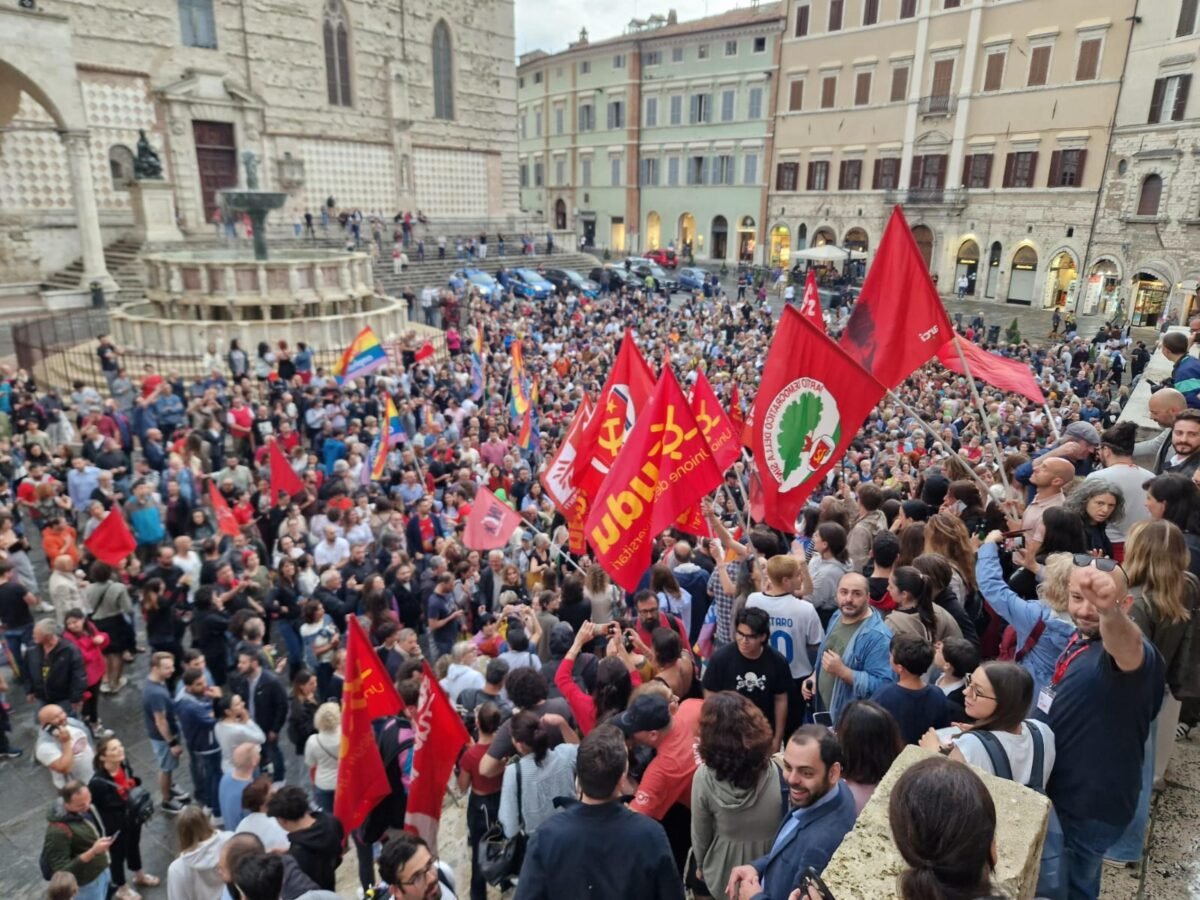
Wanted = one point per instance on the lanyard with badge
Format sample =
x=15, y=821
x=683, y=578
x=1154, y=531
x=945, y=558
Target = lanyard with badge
x=1046, y=697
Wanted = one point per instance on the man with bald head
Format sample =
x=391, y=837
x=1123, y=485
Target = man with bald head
x=1051, y=474
x=1102, y=699
x=855, y=656
x=1165, y=404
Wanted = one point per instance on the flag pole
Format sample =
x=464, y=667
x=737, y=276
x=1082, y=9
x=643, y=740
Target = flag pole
x=912, y=412
x=1050, y=419
x=982, y=415
x=565, y=556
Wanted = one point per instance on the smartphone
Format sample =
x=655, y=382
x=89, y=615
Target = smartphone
x=812, y=879
x=823, y=718
x=116, y=834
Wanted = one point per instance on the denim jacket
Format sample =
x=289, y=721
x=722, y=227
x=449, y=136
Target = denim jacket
x=868, y=654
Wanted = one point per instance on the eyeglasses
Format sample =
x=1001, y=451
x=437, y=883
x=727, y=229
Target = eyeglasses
x=1103, y=563
x=971, y=688
x=422, y=874
x=743, y=636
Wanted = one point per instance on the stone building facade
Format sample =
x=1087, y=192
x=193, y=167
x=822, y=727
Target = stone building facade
x=381, y=105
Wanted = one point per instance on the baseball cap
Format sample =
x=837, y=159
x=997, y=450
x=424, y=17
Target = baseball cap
x=1082, y=431
x=649, y=712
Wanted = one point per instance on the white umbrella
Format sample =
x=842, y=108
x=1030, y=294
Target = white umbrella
x=828, y=253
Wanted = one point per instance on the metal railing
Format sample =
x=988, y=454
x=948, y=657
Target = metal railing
x=928, y=197
x=937, y=105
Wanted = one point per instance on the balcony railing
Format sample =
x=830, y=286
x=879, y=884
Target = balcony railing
x=928, y=197
x=937, y=105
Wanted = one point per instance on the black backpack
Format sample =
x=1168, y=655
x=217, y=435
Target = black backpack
x=389, y=812
x=43, y=859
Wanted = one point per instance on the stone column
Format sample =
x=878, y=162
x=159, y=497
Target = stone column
x=91, y=243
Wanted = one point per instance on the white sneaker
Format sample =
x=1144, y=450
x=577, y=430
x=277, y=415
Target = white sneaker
x=105, y=687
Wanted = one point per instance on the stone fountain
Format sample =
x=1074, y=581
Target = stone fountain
x=254, y=202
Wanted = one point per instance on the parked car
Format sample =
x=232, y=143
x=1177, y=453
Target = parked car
x=664, y=257
x=662, y=281
x=617, y=276
x=529, y=284
x=477, y=280
x=691, y=279
x=567, y=280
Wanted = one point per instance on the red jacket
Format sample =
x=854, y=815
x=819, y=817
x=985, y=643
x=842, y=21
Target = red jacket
x=93, y=653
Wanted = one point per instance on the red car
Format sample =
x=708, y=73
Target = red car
x=665, y=258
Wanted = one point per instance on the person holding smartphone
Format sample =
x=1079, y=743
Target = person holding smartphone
x=76, y=842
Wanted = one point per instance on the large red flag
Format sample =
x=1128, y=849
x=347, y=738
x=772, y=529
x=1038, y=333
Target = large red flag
x=440, y=737
x=425, y=352
x=625, y=394
x=999, y=371
x=898, y=322
x=717, y=428
x=664, y=467
x=112, y=541
x=367, y=694
x=810, y=304
x=559, y=476
x=491, y=522
x=226, y=522
x=283, y=476
x=811, y=403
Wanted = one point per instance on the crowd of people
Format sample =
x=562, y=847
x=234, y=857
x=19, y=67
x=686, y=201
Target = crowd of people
x=1011, y=591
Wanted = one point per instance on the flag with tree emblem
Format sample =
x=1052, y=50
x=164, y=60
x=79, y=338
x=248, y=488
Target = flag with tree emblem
x=812, y=401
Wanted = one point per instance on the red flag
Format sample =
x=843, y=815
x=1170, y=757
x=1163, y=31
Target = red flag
x=664, y=467
x=758, y=509
x=283, y=476
x=999, y=371
x=424, y=353
x=112, y=541
x=812, y=401
x=440, y=737
x=898, y=322
x=810, y=305
x=737, y=417
x=576, y=519
x=717, y=428
x=559, y=477
x=367, y=694
x=491, y=522
x=226, y=522
x=625, y=394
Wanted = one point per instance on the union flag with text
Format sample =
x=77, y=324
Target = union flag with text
x=664, y=467
x=715, y=425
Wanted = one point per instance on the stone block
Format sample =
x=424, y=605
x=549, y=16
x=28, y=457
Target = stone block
x=866, y=865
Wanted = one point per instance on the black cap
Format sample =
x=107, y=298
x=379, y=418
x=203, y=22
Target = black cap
x=649, y=712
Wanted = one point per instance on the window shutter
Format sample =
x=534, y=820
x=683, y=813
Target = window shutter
x=708, y=106
x=706, y=170
x=899, y=84
x=811, y=176
x=1156, y=100
x=862, y=89
x=1187, y=18
x=943, y=75
x=987, y=171
x=918, y=170
x=1010, y=161
x=835, y=14
x=1033, y=161
x=1039, y=66
x=1181, y=97
x=796, y=95
x=1055, y=169
x=802, y=21
x=1088, y=66
x=1080, y=162
x=943, y=165
x=966, y=172
x=842, y=175
x=875, y=173
x=994, y=72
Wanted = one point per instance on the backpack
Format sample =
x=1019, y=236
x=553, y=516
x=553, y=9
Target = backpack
x=389, y=812
x=43, y=859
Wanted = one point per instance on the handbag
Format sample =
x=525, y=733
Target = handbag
x=1183, y=678
x=140, y=805
x=500, y=857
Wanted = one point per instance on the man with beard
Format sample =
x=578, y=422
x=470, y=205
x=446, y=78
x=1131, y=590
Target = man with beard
x=1184, y=455
x=821, y=814
x=411, y=872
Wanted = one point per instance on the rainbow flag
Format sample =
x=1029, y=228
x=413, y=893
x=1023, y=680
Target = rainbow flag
x=520, y=389
x=364, y=356
x=476, y=377
x=379, y=455
x=430, y=423
x=525, y=434
x=395, y=427
x=477, y=343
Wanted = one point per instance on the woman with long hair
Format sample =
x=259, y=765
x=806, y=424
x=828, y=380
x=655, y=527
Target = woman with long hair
x=1097, y=502
x=912, y=542
x=938, y=576
x=672, y=666
x=976, y=511
x=827, y=567
x=1064, y=534
x=195, y=875
x=111, y=611
x=871, y=741
x=616, y=677
x=321, y=753
x=915, y=611
x=545, y=772
x=1176, y=498
x=112, y=786
x=736, y=800
x=302, y=709
x=671, y=597
x=606, y=598
x=948, y=536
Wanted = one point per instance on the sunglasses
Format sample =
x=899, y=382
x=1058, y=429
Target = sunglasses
x=1103, y=563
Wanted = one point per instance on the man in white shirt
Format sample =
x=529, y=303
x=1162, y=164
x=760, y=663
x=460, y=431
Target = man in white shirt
x=64, y=746
x=1116, y=452
x=333, y=551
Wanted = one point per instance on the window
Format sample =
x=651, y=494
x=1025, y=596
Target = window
x=615, y=174
x=559, y=116
x=1087, y=68
x=697, y=167
x=1039, y=65
x=908, y=9
x=731, y=48
x=952, y=4
x=524, y=169
x=818, y=175
x=648, y=176
x=796, y=95
x=899, y=84
x=887, y=174
x=616, y=114
x=619, y=61
x=850, y=175
x=702, y=51
x=560, y=172
x=727, y=106
x=677, y=110
x=120, y=167
x=587, y=117
x=1019, y=169
x=197, y=25
x=1066, y=168
x=701, y=109
x=723, y=173
x=652, y=58
x=993, y=71
x=802, y=14
x=336, y=30
x=977, y=171
x=760, y=45
x=870, y=12
x=755, y=110
x=443, y=72
x=585, y=66
x=828, y=91
x=524, y=126
x=1150, y=196
x=943, y=81
x=673, y=171
x=862, y=88
x=585, y=172
x=651, y=112
x=787, y=176
x=835, y=14
x=1169, y=100
x=538, y=175
x=521, y=82
x=537, y=77
x=1187, y=18
x=750, y=168
x=929, y=172
x=676, y=54
x=537, y=123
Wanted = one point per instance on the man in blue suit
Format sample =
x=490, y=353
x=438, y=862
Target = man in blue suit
x=822, y=812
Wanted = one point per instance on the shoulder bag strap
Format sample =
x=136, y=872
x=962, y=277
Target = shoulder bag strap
x=1000, y=764
x=520, y=810
x=1039, y=757
x=1031, y=641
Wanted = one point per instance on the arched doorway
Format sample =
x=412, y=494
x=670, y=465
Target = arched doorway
x=924, y=238
x=856, y=239
x=993, y=271
x=1150, y=293
x=720, y=238
x=823, y=236
x=1062, y=275
x=802, y=235
x=1022, y=282
x=687, y=233
x=120, y=166
x=1102, y=291
x=747, y=238
x=653, y=231
x=967, y=263
x=781, y=246
x=560, y=214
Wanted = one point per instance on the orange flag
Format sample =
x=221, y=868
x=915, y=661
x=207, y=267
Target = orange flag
x=664, y=467
x=226, y=523
x=367, y=694
x=283, y=476
x=715, y=425
x=112, y=541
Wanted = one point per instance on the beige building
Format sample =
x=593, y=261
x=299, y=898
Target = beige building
x=989, y=122
x=1146, y=245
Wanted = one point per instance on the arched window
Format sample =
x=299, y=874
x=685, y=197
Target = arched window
x=120, y=166
x=443, y=72
x=337, y=53
x=1150, y=196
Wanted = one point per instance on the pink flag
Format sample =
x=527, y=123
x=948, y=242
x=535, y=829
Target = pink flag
x=491, y=522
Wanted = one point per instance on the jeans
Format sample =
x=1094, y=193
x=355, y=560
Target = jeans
x=206, y=778
x=273, y=756
x=17, y=640
x=97, y=889
x=1085, y=842
x=1132, y=841
x=323, y=799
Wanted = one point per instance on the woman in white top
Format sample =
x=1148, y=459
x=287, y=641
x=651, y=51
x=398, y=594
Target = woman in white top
x=605, y=597
x=998, y=696
x=257, y=822
x=234, y=726
x=321, y=754
x=545, y=772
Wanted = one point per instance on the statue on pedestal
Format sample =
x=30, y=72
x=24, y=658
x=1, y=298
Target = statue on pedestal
x=146, y=165
x=250, y=161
